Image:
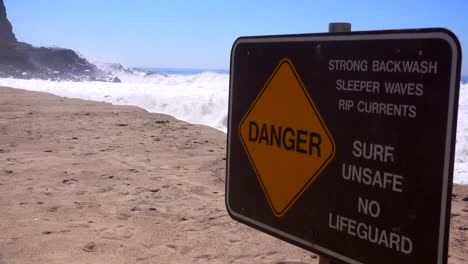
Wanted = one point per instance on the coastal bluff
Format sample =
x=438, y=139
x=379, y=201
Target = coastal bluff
x=24, y=61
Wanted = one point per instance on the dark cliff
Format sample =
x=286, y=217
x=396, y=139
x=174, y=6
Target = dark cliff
x=22, y=60
x=6, y=30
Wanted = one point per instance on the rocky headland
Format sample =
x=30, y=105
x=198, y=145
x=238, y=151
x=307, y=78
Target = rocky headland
x=24, y=61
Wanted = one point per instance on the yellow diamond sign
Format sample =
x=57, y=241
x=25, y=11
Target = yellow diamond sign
x=286, y=140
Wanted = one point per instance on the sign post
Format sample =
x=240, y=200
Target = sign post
x=338, y=27
x=343, y=143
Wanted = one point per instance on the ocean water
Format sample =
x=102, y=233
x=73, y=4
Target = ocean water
x=464, y=79
x=184, y=71
x=199, y=98
x=196, y=96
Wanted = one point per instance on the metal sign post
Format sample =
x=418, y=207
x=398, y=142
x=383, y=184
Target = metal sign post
x=337, y=27
x=324, y=260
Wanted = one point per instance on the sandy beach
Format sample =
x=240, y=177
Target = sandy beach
x=91, y=182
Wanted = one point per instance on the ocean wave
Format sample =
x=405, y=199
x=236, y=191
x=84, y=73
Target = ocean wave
x=199, y=99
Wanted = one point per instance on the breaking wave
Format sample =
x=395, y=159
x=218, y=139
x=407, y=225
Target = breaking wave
x=198, y=98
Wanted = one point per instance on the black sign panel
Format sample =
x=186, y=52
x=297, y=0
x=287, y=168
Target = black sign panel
x=373, y=178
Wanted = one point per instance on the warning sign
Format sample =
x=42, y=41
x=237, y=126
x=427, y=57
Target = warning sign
x=344, y=143
x=287, y=141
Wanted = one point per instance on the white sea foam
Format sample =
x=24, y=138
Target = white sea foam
x=461, y=149
x=200, y=99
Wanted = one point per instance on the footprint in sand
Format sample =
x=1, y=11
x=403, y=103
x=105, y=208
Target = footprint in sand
x=89, y=247
x=52, y=209
x=200, y=190
x=83, y=204
x=69, y=181
x=170, y=167
x=104, y=190
x=123, y=216
x=138, y=259
x=182, y=219
x=118, y=233
x=180, y=249
x=80, y=192
x=205, y=257
x=78, y=225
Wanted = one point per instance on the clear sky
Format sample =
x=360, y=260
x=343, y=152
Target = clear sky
x=199, y=34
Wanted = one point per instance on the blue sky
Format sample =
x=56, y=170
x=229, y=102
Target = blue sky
x=199, y=34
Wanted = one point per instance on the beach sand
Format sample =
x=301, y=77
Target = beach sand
x=90, y=182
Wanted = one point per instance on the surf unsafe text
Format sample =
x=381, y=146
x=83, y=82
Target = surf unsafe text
x=369, y=208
